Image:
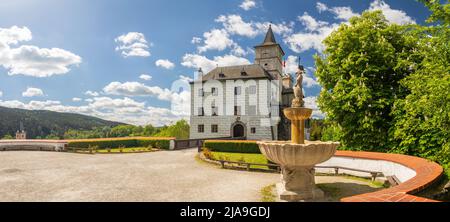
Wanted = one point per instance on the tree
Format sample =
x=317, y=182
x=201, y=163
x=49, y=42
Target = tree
x=360, y=72
x=7, y=137
x=180, y=130
x=122, y=131
x=422, y=118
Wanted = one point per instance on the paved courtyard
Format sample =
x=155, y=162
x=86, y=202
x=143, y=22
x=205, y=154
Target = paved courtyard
x=158, y=176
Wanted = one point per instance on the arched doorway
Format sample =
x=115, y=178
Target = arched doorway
x=238, y=130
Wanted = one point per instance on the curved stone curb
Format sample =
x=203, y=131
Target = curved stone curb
x=427, y=173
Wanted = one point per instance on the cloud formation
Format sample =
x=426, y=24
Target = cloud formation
x=145, y=77
x=33, y=92
x=315, y=31
x=199, y=61
x=31, y=60
x=132, y=44
x=248, y=4
x=165, y=63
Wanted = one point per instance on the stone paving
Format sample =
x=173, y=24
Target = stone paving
x=157, y=176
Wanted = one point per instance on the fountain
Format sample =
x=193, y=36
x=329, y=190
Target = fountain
x=297, y=158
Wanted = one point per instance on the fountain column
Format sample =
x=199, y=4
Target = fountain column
x=297, y=158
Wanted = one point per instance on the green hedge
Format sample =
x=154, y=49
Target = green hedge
x=160, y=143
x=232, y=146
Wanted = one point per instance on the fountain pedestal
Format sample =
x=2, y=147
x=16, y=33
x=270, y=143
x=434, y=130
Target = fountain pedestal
x=297, y=158
x=297, y=163
x=298, y=183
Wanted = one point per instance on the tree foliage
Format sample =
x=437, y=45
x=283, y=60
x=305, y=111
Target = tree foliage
x=180, y=130
x=422, y=118
x=386, y=87
x=360, y=73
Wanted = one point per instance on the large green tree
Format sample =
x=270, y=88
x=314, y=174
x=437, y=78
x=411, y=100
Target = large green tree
x=360, y=72
x=422, y=118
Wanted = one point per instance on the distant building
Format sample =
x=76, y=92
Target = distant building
x=21, y=134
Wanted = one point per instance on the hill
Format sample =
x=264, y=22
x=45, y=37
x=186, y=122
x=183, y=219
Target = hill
x=41, y=123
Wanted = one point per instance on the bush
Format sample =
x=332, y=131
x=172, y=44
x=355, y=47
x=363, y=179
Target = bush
x=111, y=143
x=232, y=146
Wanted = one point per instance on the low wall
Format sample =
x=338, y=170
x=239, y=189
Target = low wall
x=415, y=174
x=402, y=172
x=32, y=145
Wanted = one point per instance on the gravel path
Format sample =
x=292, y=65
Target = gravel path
x=157, y=176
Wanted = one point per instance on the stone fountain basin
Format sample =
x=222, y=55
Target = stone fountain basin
x=297, y=113
x=288, y=154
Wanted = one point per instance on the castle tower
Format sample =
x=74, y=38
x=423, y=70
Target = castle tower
x=270, y=55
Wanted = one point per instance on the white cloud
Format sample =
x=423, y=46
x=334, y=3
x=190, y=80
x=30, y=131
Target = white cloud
x=15, y=35
x=311, y=102
x=124, y=110
x=1, y=93
x=343, y=13
x=164, y=63
x=178, y=95
x=132, y=44
x=216, y=39
x=196, y=40
x=235, y=25
x=312, y=38
x=76, y=99
x=145, y=77
x=32, y=92
x=248, y=4
x=321, y=7
x=91, y=93
x=137, y=89
x=311, y=23
x=198, y=61
x=31, y=60
x=392, y=15
x=282, y=28
x=316, y=31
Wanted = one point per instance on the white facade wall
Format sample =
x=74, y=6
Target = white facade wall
x=262, y=121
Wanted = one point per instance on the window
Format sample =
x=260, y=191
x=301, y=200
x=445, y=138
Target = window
x=253, y=130
x=201, y=111
x=201, y=128
x=221, y=75
x=214, y=91
x=237, y=110
x=237, y=90
x=214, y=110
x=214, y=128
x=201, y=92
x=243, y=73
x=252, y=89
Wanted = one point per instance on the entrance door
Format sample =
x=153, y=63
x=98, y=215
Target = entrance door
x=238, y=131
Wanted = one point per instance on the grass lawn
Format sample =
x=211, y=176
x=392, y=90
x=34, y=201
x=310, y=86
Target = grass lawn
x=242, y=157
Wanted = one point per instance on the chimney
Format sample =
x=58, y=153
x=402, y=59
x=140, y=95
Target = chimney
x=200, y=74
x=287, y=81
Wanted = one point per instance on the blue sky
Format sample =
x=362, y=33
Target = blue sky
x=52, y=52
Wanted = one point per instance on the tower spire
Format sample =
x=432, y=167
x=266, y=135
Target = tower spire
x=270, y=37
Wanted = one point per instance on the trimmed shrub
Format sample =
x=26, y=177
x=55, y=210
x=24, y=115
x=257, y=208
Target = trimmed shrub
x=111, y=143
x=232, y=146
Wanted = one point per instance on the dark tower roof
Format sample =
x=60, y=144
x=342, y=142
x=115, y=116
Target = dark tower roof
x=270, y=37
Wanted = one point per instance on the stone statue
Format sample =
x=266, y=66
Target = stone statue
x=298, y=89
